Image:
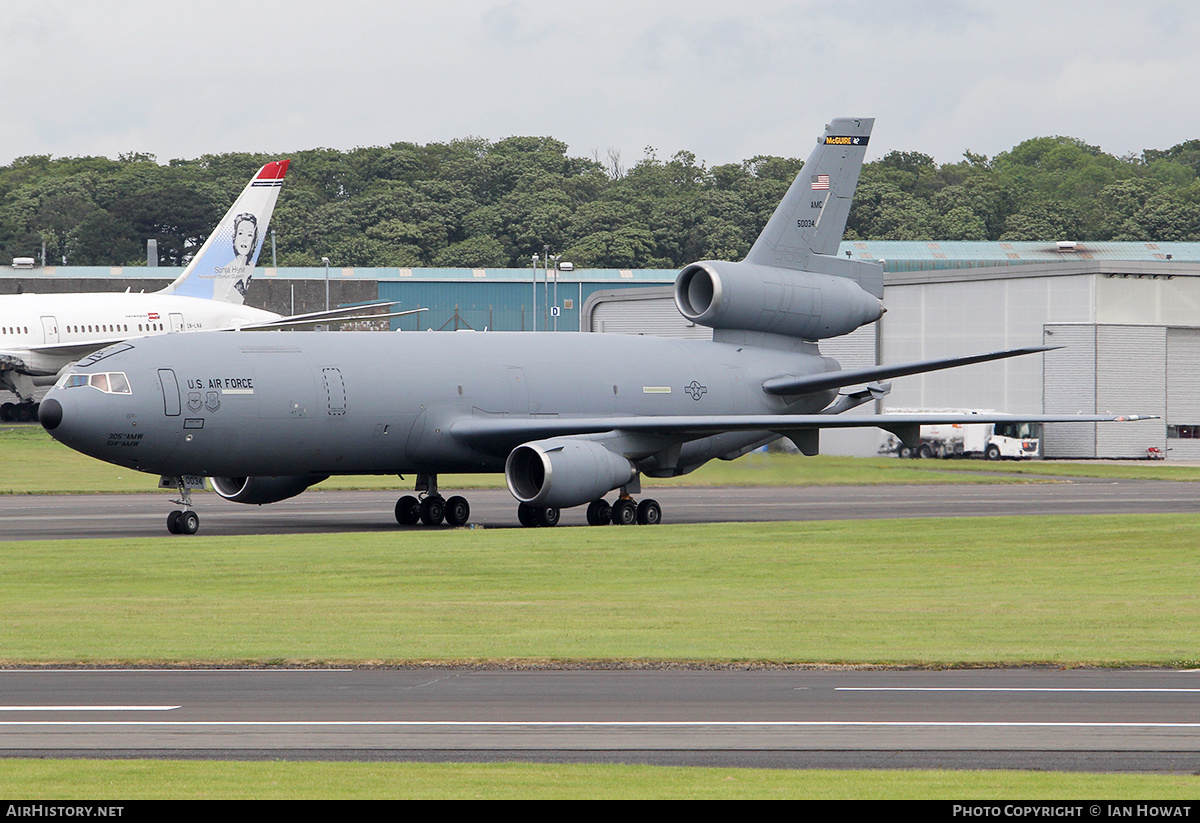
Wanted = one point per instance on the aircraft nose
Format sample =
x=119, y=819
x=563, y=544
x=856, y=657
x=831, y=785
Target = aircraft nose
x=50, y=414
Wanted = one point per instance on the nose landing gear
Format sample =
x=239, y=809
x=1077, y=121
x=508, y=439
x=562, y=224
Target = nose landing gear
x=182, y=521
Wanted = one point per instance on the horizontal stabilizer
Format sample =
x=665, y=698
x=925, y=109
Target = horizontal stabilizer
x=805, y=383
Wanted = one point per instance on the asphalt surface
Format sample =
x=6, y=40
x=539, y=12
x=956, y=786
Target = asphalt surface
x=1027, y=719
x=787, y=718
x=24, y=517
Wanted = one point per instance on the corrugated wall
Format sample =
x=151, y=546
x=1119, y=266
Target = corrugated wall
x=1131, y=378
x=1069, y=387
x=929, y=320
x=658, y=317
x=495, y=305
x=1110, y=369
x=1183, y=391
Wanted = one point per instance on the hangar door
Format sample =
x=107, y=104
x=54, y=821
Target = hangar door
x=1183, y=394
x=1104, y=369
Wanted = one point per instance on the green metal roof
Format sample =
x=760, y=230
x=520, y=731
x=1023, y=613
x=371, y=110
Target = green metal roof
x=897, y=255
x=919, y=255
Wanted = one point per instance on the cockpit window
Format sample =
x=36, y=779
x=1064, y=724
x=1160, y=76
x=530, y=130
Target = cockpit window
x=117, y=384
x=112, y=382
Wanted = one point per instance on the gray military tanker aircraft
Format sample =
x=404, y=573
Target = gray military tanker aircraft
x=567, y=417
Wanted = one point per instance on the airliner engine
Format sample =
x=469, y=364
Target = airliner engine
x=564, y=472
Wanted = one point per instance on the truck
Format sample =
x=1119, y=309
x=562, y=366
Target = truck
x=989, y=441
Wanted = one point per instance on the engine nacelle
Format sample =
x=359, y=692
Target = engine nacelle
x=564, y=472
x=260, y=490
x=750, y=297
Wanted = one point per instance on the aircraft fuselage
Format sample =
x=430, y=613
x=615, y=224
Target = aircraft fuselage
x=89, y=321
x=312, y=403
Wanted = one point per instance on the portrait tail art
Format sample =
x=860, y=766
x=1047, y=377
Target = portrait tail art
x=222, y=269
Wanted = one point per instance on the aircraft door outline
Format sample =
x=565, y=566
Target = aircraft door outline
x=335, y=390
x=50, y=329
x=170, y=392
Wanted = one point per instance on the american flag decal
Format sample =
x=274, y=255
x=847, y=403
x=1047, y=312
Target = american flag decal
x=153, y=315
x=820, y=182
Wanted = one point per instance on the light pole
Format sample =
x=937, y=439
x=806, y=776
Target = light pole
x=546, y=293
x=556, y=258
x=533, y=262
x=325, y=260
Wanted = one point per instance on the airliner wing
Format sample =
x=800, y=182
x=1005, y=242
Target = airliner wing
x=505, y=433
x=324, y=318
x=76, y=350
x=82, y=348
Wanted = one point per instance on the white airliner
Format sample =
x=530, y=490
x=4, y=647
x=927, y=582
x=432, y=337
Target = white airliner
x=41, y=334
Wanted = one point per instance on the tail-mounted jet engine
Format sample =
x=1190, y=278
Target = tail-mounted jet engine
x=752, y=297
x=260, y=490
x=564, y=472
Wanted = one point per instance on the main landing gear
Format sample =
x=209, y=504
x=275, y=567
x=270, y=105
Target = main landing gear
x=183, y=521
x=431, y=508
x=23, y=412
x=625, y=512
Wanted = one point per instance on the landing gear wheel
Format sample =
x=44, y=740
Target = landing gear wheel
x=525, y=515
x=924, y=452
x=433, y=511
x=546, y=515
x=189, y=522
x=6, y=412
x=458, y=511
x=599, y=513
x=649, y=513
x=183, y=522
x=624, y=512
x=408, y=510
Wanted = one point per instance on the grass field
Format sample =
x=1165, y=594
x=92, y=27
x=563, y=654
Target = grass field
x=46, y=780
x=1112, y=591
x=1117, y=590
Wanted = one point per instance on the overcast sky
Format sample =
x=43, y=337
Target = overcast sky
x=725, y=80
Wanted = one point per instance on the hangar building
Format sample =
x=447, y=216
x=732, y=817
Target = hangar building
x=1126, y=314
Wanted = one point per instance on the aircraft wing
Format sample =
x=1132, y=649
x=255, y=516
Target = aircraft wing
x=804, y=383
x=83, y=348
x=506, y=433
x=321, y=318
x=78, y=349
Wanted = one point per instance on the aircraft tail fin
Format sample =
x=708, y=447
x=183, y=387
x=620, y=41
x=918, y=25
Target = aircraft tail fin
x=807, y=226
x=222, y=269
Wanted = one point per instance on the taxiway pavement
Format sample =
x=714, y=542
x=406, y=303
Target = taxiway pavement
x=25, y=517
